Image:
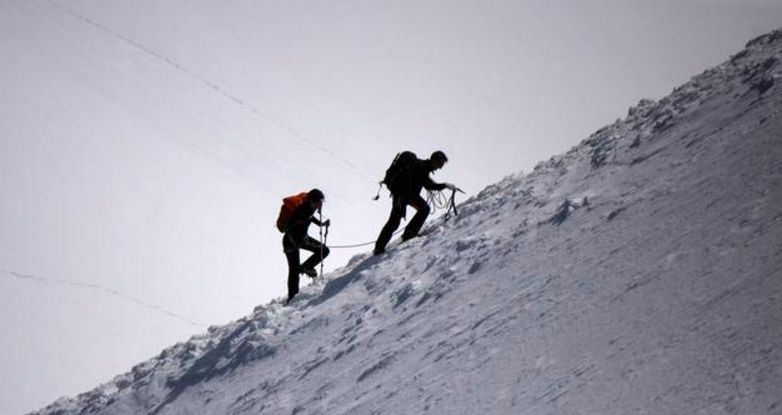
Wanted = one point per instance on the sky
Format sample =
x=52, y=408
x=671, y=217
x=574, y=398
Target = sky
x=145, y=146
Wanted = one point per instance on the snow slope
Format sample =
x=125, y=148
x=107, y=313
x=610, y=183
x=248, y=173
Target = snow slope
x=637, y=273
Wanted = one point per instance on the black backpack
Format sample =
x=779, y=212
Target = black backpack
x=398, y=175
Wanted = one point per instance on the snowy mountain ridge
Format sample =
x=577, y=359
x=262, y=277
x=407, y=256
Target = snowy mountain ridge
x=638, y=272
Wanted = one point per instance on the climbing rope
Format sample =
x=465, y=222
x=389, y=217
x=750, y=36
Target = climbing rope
x=436, y=200
x=363, y=244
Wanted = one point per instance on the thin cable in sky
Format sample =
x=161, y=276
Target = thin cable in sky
x=106, y=290
x=211, y=85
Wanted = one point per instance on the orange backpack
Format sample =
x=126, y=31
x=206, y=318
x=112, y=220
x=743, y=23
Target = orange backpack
x=289, y=205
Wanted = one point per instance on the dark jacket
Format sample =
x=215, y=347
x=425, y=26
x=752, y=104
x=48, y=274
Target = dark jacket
x=416, y=179
x=300, y=222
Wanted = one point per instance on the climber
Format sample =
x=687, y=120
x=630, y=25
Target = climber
x=296, y=215
x=405, y=178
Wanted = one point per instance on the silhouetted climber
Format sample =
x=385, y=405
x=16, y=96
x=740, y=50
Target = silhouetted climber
x=405, y=179
x=296, y=215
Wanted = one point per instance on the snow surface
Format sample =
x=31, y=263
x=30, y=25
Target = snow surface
x=640, y=272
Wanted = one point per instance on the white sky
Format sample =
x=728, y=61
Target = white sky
x=145, y=145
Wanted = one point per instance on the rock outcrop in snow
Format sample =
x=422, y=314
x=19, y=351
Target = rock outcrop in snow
x=638, y=273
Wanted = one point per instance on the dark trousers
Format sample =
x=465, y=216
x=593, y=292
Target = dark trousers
x=398, y=212
x=291, y=249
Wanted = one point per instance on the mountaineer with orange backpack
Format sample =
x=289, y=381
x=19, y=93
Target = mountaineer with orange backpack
x=296, y=215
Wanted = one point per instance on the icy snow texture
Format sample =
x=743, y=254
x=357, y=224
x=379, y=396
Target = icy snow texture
x=638, y=273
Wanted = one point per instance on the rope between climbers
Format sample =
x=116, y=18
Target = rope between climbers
x=436, y=199
x=360, y=245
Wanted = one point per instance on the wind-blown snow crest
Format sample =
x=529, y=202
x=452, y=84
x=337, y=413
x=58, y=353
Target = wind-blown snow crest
x=638, y=272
